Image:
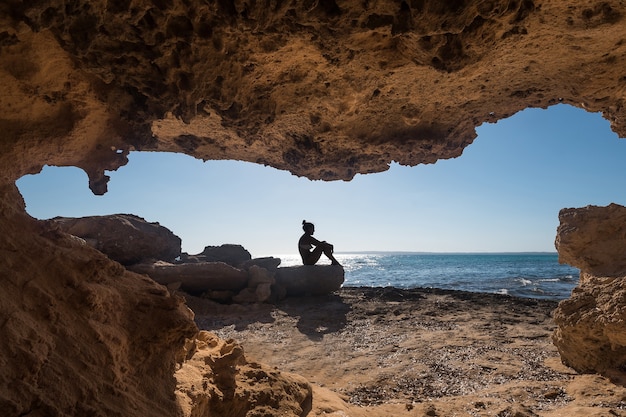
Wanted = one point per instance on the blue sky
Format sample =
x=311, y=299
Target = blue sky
x=502, y=195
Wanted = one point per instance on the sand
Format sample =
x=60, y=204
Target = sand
x=422, y=352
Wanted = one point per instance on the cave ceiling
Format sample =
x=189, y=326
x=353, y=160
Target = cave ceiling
x=325, y=89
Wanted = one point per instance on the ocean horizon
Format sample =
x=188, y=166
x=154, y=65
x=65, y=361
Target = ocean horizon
x=519, y=274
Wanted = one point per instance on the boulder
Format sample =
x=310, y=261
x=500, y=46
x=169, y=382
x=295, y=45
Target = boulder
x=593, y=239
x=591, y=332
x=258, y=275
x=246, y=296
x=270, y=263
x=591, y=324
x=230, y=254
x=195, y=278
x=310, y=279
x=125, y=238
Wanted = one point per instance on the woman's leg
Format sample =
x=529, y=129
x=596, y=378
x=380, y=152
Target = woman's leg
x=314, y=256
x=328, y=251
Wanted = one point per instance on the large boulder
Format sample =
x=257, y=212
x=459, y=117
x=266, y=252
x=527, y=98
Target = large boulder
x=195, y=278
x=593, y=239
x=125, y=238
x=218, y=380
x=233, y=255
x=591, y=332
x=310, y=279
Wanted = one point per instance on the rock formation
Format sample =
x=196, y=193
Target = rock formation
x=125, y=238
x=195, y=278
x=593, y=239
x=591, y=333
x=218, y=380
x=310, y=279
x=234, y=255
x=80, y=334
x=324, y=89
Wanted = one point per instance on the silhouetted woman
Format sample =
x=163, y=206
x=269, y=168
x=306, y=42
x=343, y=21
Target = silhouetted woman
x=311, y=249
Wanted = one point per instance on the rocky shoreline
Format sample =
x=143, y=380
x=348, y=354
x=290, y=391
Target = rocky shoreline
x=355, y=352
x=388, y=351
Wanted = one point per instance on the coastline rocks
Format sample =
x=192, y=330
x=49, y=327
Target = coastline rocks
x=593, y=239
x=591, y=332
x=125, y=238
x=233, y=255
x=195, y=278
x=310, y=279
x=81, y=335
x=218, y=380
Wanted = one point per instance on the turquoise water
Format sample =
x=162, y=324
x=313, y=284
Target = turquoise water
x=534, y=275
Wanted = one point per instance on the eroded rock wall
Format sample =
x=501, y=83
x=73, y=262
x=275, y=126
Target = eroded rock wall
x=80, y=334
x=591, y=333
x=325, y=89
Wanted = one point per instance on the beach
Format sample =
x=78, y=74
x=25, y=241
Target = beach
x=416, y=352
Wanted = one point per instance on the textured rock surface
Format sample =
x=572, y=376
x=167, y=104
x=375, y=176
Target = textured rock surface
x=195, y=278
x=125, y=238
x=234, y=255
x=219, y=381
x=591, y=333
x=593, y=239
x=325, y=89
x=310, y=279
x=80, y=334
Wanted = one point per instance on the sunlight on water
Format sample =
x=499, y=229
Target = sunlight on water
x=535, y=275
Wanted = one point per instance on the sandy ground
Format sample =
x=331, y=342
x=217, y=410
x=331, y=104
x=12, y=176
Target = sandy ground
x=423, y=352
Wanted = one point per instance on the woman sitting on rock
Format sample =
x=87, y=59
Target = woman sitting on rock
x=307, y=242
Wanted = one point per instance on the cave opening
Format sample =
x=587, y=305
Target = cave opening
x=502, y=195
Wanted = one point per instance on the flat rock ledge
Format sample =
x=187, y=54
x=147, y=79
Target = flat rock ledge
x=256, y=281
x=195, y=277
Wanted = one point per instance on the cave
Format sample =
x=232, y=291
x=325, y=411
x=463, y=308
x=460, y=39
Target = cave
x=323, y=89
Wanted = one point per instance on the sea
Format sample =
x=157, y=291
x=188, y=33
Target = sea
x=528, y=275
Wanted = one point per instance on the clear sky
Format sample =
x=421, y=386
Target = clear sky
x=502, y=195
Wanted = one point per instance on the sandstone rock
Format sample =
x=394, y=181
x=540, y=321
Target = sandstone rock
x=258, y=275
x=263, y=292
x=233, y=255
x=218, y=380
x=593, y=239
x=125, y=238
x=85, y=82
x=244, y=82
x=591, y=332
x=310, y=279
x=246, y=296
x=270, y=263
x=221, y=296
x=195, y=278
x=81, y=335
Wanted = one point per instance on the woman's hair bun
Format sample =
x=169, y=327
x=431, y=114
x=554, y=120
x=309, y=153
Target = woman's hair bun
x=303, y=222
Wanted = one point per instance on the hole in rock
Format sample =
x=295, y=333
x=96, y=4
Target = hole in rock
x=502, y=195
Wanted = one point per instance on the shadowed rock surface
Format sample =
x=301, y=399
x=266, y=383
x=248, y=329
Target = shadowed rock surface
x=195, y=278
x=310, y=279
x=125, y=238
x=323, y=89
